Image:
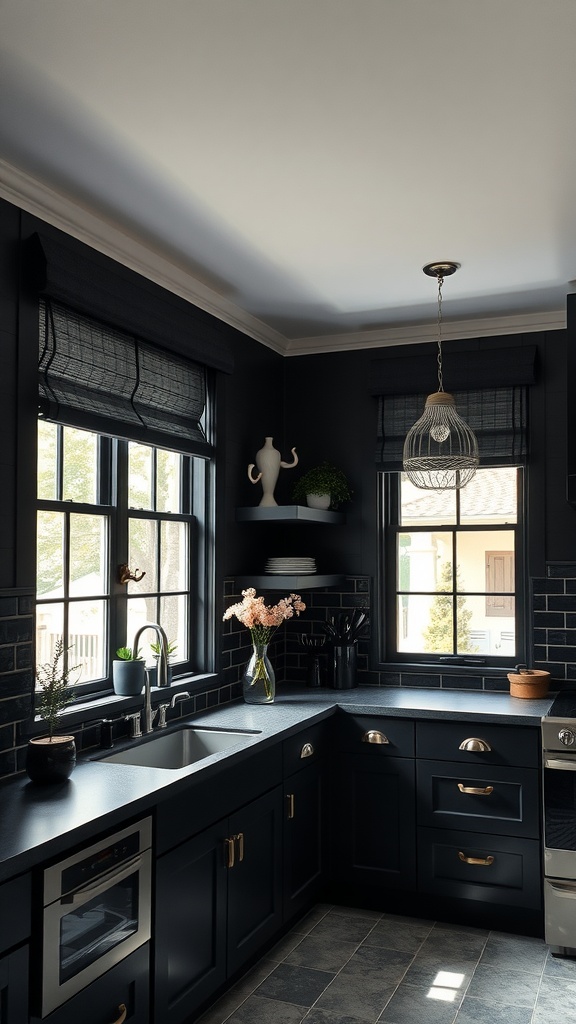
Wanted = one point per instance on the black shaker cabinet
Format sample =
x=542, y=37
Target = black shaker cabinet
x=305, y=817
x=373, y=804
x=15, y=927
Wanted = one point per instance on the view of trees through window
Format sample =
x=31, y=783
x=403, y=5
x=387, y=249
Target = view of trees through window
x=103, y=502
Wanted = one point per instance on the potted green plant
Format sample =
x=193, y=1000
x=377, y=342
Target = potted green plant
x=52, y=758
x=324, y=486
x=128, y=672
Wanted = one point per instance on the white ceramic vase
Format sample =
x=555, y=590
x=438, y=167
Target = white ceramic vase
x=269, y=462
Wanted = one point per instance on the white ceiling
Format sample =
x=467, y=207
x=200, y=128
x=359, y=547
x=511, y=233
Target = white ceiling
x=291, y=164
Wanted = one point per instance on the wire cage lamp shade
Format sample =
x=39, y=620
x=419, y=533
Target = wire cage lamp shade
x=440, y=451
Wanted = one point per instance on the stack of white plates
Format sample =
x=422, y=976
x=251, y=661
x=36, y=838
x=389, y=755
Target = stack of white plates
x=291, y=566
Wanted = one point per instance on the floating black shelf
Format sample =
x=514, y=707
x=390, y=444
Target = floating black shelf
x=290, y=583
x=287, y=514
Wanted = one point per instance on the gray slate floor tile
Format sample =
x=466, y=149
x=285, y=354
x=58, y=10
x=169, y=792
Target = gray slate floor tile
x=475, y=1011
x=411, y=1004
x=556, y=1003
x=324, y=954
x=492, y=984
x=518, y=952
x=257, y=1010
x=299, y=985
x=399, y=933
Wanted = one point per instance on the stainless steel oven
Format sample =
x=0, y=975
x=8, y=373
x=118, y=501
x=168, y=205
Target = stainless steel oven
x=96, y=911
x=559, y=774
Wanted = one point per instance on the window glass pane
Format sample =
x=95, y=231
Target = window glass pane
x=173, y=561
x=491, y=496
x=49, y=627
x=141, y=610
x=47, y=460
x=80, y=461
x=168, y=481
x=423, y=623
x=50, y=554
x=173, y=619
x=424, y=561
x=88, y=555
x=87, y=638
x=142, y=554
x=482, y=633
x=419, y=507
x=486, y=561
x=139, y=476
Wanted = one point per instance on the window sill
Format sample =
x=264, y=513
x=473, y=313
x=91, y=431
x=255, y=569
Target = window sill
x=110, y=705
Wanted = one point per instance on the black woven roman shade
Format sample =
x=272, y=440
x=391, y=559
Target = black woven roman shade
x=83, y=279
x=99, y=378
x=496, y=408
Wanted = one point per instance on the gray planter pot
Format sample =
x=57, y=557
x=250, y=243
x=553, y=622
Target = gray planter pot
x=128, y=677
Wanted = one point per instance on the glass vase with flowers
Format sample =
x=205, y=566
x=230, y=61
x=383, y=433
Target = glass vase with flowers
x=262, y=620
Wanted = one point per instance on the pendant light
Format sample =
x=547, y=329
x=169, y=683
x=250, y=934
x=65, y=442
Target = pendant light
x=440, y=450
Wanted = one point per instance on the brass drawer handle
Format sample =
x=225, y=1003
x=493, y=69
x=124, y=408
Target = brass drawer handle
x=240, y=838
x=123, y=1012
x=290, y=799
x=474, y=743
x=307, y=750
x=476, y=790
x=484, y=862
x=373, y=736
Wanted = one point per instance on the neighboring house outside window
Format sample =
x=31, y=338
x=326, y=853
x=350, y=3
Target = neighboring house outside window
x=453, y=570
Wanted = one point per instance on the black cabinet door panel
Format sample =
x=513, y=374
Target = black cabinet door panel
x=374, y=841
x=255, y=880
x=190, y=924
x=304, y=841
x=14, y=987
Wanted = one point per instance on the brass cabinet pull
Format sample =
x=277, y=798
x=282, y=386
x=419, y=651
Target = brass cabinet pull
x=474, y=743
x=229, y=848
x=484, y=862
x=307, y=750
x=290, y=799
x=240, y=838
x=476, y=790
x=373, y=736
x=123, y=1012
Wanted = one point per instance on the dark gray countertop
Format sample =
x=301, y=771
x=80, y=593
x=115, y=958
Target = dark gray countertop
x=39, y=822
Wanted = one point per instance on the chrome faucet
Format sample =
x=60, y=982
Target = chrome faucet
x=149, y=715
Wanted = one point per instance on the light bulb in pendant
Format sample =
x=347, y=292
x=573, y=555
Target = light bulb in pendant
x=439, y=433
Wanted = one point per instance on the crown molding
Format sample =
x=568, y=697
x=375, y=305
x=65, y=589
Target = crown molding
x=72, y=217
x=483, y=327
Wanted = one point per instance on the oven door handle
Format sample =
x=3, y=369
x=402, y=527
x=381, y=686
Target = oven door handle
x=104, y=883
x=560, y=765
x=566, y=889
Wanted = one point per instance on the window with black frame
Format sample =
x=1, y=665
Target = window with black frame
x=452, y=561
x=124, y=471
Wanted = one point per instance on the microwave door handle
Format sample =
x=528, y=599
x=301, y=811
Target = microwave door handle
x=560, y=765
x=105, y=882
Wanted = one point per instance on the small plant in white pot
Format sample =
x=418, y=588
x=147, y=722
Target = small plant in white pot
x=324, y=486
x=52, y=758
x=128, y=672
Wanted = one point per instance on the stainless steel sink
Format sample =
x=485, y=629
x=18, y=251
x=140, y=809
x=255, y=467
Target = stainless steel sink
x=181, y=748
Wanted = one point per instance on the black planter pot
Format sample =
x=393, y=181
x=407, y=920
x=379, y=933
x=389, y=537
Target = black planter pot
x=50, y=761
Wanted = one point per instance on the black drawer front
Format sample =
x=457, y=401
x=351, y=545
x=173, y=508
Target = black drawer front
x=306, y=747
x=355, y=732
x=513, y=745
x=502, y=801
x=473, y=866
